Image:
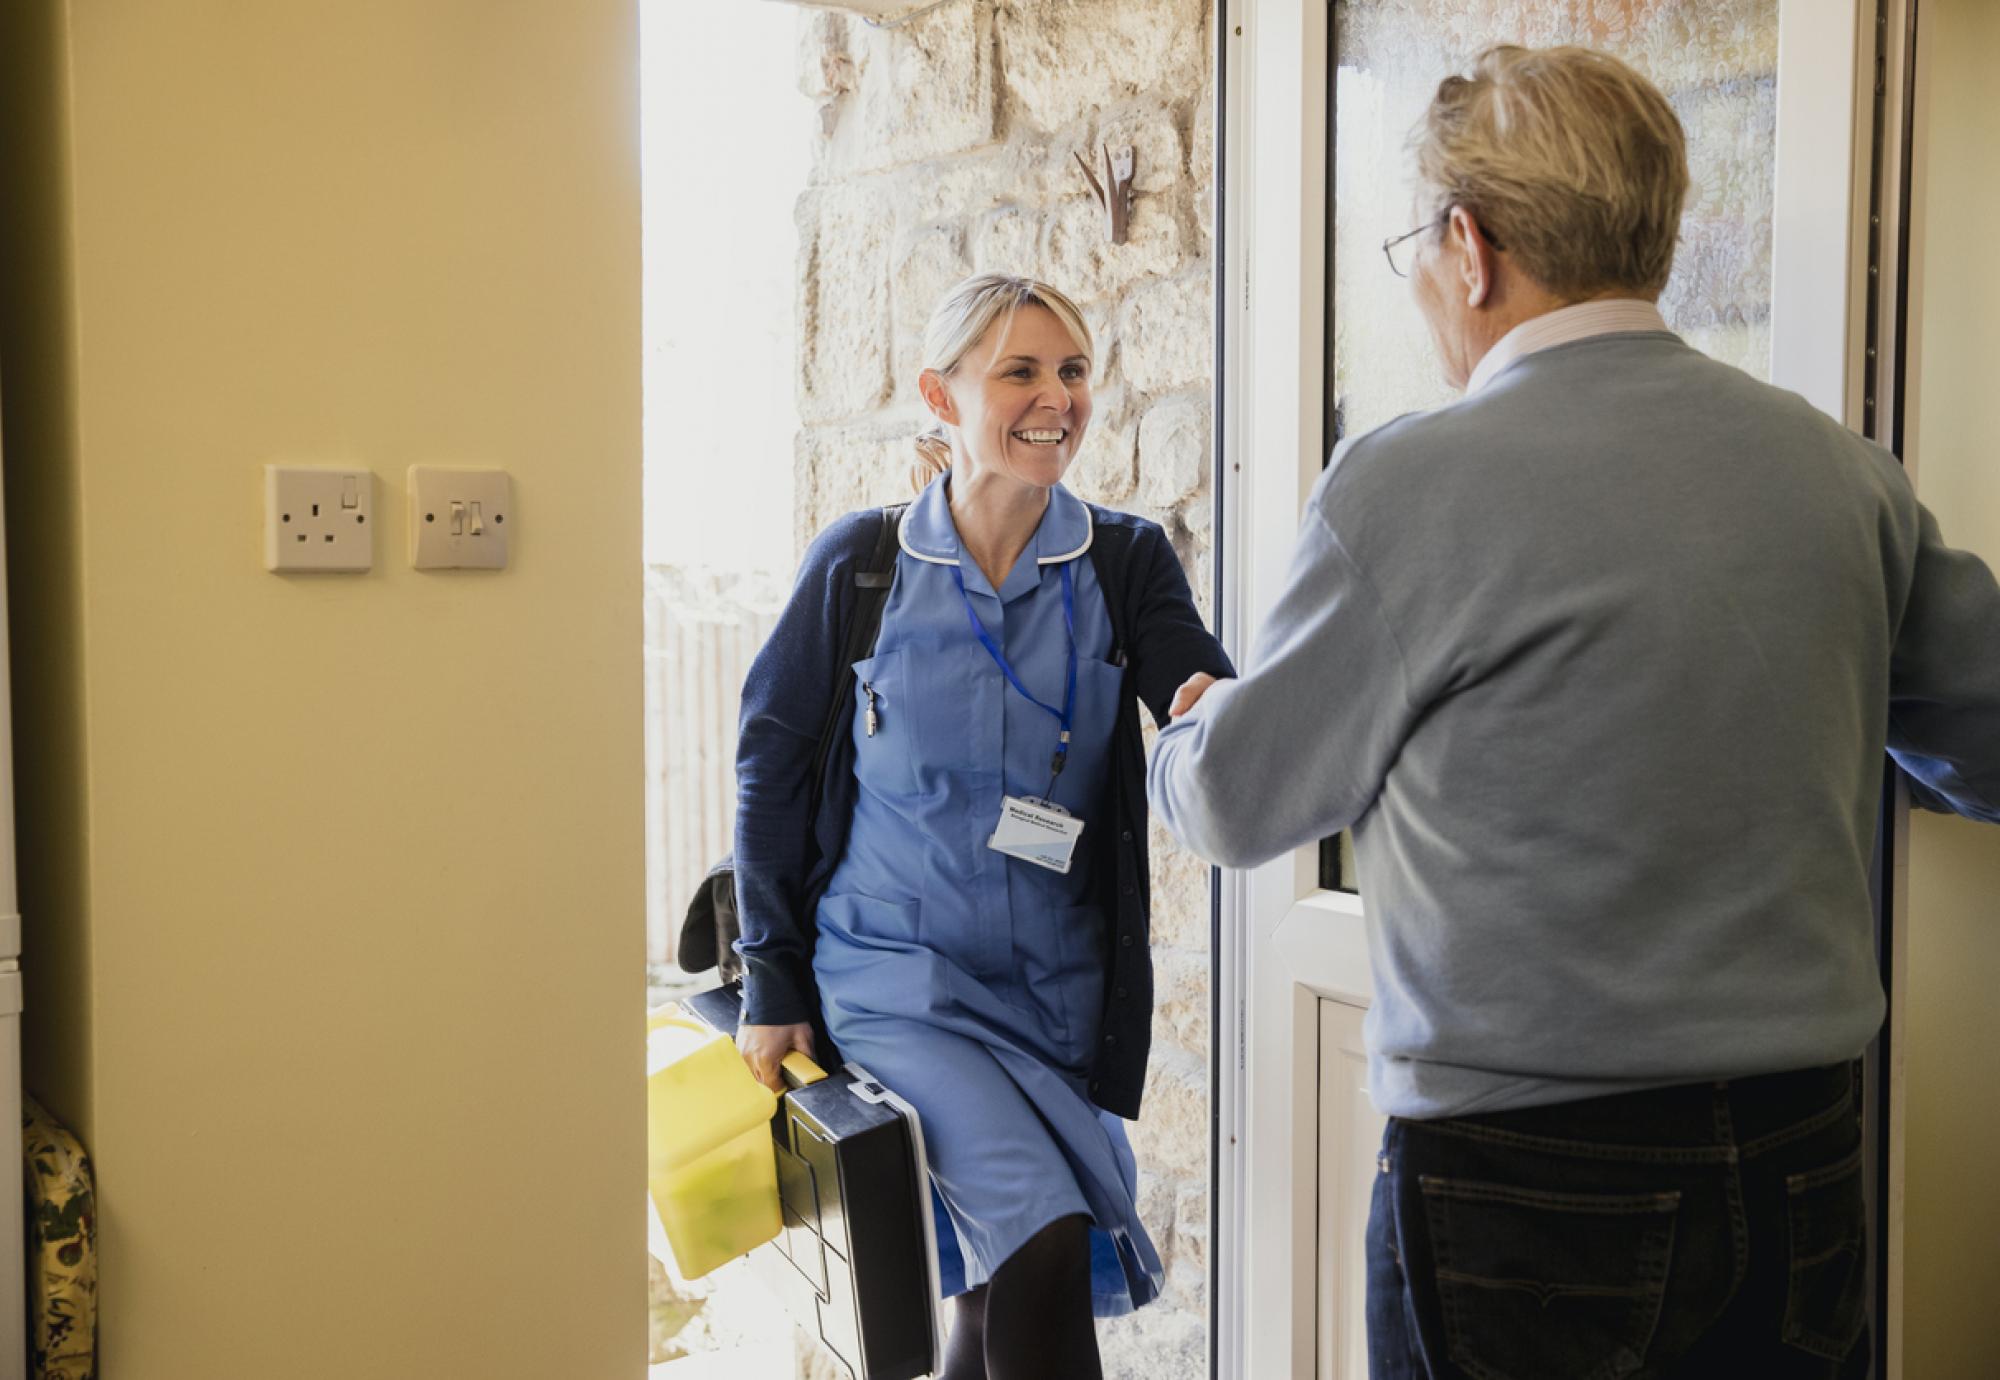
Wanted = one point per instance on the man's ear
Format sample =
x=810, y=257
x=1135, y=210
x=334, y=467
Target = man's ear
x=1473, y=255
x=937, y=397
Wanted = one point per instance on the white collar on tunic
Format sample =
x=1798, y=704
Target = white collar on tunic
x=1613, y=315
x=929, y=534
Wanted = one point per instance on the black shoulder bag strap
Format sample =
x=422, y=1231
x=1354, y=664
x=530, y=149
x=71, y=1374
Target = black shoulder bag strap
x=872, y=580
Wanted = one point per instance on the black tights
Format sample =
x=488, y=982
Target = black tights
x=1032, y=1320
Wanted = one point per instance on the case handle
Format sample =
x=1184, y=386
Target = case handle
x=800, y=1071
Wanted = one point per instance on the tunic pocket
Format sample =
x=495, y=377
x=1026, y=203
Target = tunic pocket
x=885, y=727
x=871, y=960
x=1064, y=977
x=868, y=918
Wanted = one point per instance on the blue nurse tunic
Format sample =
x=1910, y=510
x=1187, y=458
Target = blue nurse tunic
x=971, y=982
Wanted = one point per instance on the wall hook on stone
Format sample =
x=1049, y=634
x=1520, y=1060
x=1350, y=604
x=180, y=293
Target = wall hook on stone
x=1114, y=192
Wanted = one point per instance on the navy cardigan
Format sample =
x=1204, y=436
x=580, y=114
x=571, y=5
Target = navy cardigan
x=784, y=855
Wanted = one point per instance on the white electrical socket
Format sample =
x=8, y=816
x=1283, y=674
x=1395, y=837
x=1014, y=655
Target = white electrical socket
x=318, y=518
x=459, y=518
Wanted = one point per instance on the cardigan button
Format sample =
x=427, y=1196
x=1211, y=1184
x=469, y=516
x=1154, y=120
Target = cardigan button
x=1126, y=835
x=1126, y=941
x=1128, y=888
x=1121, y=994
x=1110, y=1039
x=1095, y=1086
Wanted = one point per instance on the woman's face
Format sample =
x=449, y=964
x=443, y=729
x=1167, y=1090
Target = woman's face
x=1020, y=398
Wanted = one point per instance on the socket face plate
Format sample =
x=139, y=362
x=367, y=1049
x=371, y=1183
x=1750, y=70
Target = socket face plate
x=459, y=518
x=318, y=518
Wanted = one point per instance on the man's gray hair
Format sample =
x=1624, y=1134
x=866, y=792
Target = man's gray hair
x=1571, y=160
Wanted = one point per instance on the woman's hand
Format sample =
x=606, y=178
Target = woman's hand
x=1190, y=693
x=764, y=1048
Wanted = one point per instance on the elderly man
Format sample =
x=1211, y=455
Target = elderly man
x=1600, y=663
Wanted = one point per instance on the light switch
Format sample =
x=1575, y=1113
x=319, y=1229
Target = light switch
x=459, y=518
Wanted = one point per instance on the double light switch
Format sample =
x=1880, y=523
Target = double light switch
x=458, y=518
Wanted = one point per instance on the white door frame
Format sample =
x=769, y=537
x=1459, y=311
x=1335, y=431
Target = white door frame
x=1284, y=944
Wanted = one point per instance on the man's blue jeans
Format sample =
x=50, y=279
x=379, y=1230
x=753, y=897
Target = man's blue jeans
x=1708, y=1230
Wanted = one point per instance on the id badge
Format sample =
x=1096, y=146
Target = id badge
x=1036, y=831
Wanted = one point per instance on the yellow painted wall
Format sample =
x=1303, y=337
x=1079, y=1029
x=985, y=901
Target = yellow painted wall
x=334, y=884
x=1952, y=1011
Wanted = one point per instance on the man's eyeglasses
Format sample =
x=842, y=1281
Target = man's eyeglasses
x=1400, y=252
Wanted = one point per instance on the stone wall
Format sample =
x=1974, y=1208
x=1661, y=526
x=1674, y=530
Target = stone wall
x=946, y=147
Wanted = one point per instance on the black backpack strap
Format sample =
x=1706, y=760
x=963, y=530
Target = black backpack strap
x=872, y=581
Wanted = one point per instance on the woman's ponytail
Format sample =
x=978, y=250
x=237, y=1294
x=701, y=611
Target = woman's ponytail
x=933, y=458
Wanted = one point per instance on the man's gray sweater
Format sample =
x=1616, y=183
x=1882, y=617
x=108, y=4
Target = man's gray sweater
x=1600, y=664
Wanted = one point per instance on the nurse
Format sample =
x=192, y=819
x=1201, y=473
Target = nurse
x=975, y=933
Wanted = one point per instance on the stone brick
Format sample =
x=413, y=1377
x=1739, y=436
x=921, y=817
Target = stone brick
x=1062, y=59
x=826, y=72
x=1166, y=333
x=1086, y=264
x=1198, y=516
x=1106, y=470
x=838, y=469
x=1159, y=1200
x=1101, y=316
x=927, y=265
x=1191, y=1225
x=843, y=315
x=1201, y=578
x=1159, y=161
x=919, y=91
x=1173, y=449
x=1181, y=993
x=1180, y=890
x=1007, y=241
x=1166, y=1341
x=1201, y=141
x=1187, y=1288
x=1201, y=165
x=963, y=185
x=1171, y=1135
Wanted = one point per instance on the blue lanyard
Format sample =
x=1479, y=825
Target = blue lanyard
x=1064, y=716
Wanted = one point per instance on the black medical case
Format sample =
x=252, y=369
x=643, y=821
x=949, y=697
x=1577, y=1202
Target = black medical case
x=856, y=1263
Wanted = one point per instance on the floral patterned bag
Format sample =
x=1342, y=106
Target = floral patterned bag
x=62, y=1250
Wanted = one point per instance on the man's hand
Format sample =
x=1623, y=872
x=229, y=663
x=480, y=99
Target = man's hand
x=1190, y=693
x=764, y=1048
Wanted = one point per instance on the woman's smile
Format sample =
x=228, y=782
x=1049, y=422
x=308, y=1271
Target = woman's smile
x=1042, y=436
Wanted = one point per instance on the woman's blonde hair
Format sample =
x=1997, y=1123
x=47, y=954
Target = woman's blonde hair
x=961, y=320
x=1569, y=158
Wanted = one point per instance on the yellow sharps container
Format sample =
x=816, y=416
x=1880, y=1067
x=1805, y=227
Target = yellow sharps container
x=710, y=1162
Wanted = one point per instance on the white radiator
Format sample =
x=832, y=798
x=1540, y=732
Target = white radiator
x=702, y=629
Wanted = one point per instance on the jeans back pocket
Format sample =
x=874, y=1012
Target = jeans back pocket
x=1536, y=1285
x=1827, y=1218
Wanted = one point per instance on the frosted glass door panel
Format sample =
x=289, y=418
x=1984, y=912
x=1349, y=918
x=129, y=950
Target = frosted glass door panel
x=1716, y=60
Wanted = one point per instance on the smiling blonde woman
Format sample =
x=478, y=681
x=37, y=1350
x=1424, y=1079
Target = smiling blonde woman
x=967, y=908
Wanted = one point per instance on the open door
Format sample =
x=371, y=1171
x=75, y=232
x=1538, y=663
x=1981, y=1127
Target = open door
x=1781, y=271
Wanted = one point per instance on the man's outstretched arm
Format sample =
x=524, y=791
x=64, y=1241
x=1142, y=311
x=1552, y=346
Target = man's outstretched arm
x=1296, y=749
